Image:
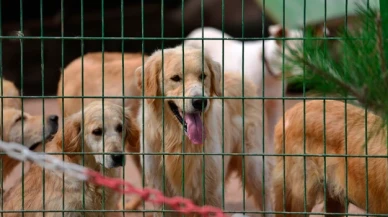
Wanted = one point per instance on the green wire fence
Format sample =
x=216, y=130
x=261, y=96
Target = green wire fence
x=300, y=13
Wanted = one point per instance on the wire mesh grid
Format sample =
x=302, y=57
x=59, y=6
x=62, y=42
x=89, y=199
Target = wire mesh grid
x=143, y=127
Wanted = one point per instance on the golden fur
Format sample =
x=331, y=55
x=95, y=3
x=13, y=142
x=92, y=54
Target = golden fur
x=212, y=119
x=33, y=132
x=11, y=126
x=92, y=83
x=113, y=65
x=9, y=89
x=335, y=166
x=73, y=189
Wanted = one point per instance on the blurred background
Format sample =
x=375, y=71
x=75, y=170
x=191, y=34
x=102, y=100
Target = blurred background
x=28, y=59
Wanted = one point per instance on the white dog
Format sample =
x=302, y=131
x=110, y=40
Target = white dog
x=250, y=63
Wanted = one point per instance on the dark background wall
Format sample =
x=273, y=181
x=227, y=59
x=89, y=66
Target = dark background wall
x=21, y=59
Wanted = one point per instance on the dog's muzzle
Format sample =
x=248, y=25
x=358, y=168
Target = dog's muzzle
x=53, y=122
x=118, y=159
x=199, y=104
x=191, y=121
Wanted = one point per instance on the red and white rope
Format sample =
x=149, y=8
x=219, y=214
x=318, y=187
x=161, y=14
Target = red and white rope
x=22, y=153
x=180, y=204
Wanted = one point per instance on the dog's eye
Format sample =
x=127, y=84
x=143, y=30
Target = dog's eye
x=119, y=128
x=176, y=78
x=21, y=118
x=203, y=76
x=97, y=132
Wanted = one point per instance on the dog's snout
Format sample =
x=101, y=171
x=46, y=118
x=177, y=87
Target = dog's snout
x=53, y=124
x=118, y=159
x=53, y=118
x=199, y=103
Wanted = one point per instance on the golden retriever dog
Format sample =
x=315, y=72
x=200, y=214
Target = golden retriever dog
x=9, y=90
x=31, y=132
x=97, y=135
x=345, y=178
x=195, y=124
x=71, y=80
x=92, y=86
x=261, y=61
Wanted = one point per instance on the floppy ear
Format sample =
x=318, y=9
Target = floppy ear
x=277, y=31
x=321, y=31
x=138, y=76
x=132, y=132
x=152, y=69
x=215, y=69
x=71, y=134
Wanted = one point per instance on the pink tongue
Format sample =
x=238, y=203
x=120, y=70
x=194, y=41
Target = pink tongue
x=194, y=128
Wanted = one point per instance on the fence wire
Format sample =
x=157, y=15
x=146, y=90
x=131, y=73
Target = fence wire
x=85, y=99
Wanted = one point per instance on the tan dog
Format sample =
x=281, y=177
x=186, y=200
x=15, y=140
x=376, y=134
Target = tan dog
x=31, y=132
x=338, y=169
x=93, y=82
x=261, y=61
x=96, y=139
x=194, y=125
x=9, y=89
x=113, y=65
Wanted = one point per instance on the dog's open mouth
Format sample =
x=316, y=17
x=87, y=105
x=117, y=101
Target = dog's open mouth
x=35, y=145
x=191, y=122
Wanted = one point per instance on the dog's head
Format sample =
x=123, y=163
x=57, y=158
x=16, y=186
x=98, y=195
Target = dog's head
x=105, y=129
x=30, y=130
x=293, y=42
x=174, y=73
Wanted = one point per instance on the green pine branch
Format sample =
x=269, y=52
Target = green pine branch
x=360, y=71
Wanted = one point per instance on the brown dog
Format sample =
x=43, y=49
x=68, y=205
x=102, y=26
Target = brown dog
x=31, y=132
x=345, y=177
x=19, y=127
x=71, y=81
x=195, y=125
x=95, y=136
x=113, y=86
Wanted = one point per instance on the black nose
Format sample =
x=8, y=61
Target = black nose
x=118, y=159
x=199, y=104
x=53, y=118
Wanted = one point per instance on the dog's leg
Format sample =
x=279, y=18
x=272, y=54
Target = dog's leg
x=154, y=179
x=273, y=109
x=254, y=182
x=279, y=197
x=213, y=185
x=136, y=201
x=283, y=199
x=255, y=169
x=289, y=187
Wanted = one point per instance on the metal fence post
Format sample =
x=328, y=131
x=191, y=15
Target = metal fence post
x=384, y=25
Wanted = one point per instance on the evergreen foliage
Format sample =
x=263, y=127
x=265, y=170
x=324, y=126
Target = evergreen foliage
x=360, y=71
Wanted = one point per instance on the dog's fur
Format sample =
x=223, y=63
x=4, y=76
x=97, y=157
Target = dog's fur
x=11, y=128
x=337, y=169
x=230, y=54
x=93, y=132
x=212, y=121
x=113, y=65
x=9, y=89
x=93, y=79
